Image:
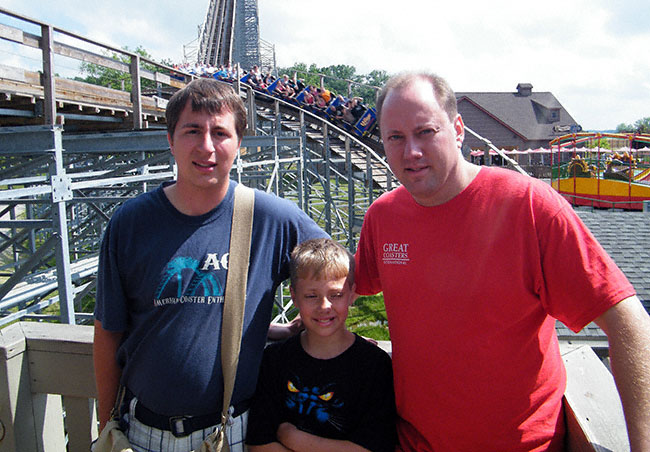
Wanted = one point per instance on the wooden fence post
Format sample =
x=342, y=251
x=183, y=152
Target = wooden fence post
x=30, y=421
x=49, y=106
x=136, y=91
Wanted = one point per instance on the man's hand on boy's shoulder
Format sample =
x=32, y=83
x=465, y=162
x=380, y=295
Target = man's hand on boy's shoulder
x=295, y=326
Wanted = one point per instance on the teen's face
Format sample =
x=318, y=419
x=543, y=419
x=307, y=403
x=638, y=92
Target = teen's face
x=422, y=145
x=204, y=146
x=323, y=304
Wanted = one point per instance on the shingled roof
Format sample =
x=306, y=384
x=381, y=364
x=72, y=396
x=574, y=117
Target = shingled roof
x=533, y=116
x=624, y=235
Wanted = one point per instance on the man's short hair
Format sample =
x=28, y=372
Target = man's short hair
x=206, y=94
x=321, y=259
x=441, y=89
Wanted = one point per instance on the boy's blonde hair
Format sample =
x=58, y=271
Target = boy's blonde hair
x=320, y=259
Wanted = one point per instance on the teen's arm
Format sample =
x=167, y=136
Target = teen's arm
x=279, y=331
x=627, y=326
x=107, y=371
x=299, y=441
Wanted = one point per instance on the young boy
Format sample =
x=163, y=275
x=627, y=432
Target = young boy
x=326, y=389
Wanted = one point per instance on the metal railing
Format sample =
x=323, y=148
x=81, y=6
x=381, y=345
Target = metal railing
x=59, y=191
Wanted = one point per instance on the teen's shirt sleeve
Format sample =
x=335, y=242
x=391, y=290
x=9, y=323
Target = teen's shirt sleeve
x=280, y=225
x=111, y=303
x=264, y=416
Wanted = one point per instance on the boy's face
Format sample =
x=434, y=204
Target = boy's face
x=323, y=304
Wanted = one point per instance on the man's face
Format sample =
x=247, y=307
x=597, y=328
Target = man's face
x=205, y=146
x=422, y=145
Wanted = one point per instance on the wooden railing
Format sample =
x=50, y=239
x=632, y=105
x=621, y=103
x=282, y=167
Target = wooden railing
x=594, y=413
x=47, y=388
x=47, y=392
x=63, y=98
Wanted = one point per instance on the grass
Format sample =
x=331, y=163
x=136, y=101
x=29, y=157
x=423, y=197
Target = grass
x=367, y=318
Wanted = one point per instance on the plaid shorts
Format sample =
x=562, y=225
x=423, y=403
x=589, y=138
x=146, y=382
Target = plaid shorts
x=150, y=439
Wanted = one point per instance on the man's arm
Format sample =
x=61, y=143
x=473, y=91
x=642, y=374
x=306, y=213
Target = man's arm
x=627, y=326
x=298, y=441
x=107, y=372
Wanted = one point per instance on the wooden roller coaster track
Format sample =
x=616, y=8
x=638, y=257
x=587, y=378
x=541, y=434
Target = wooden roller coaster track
x=71, y=152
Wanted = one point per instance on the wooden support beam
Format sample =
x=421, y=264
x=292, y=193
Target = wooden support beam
x=136, y=92
x=49, y=110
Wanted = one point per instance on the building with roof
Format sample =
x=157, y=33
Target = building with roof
x=517, y=120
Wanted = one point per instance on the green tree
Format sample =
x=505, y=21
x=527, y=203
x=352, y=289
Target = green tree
x=377, y=78
x=602, y=143
x=369, y=85
x=338, y=77
x=308, y=74
x=114, y=78
x=640, y=126
x=624, y=128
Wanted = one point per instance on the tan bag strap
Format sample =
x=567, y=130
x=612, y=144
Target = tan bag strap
x=235, y=296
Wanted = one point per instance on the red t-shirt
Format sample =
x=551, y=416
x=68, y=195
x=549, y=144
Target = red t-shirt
x=472, y=288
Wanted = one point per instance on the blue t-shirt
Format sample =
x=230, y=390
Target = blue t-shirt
x=161, y=281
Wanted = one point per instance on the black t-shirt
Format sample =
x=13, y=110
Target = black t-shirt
x=349, y=397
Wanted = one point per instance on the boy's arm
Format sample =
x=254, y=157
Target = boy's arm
x=299, y=441
x=272, y=447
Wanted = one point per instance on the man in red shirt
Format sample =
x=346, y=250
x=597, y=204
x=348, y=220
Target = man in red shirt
x=475, y=265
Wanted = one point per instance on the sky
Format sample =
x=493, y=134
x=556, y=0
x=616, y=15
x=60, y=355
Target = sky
x=591, y=54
